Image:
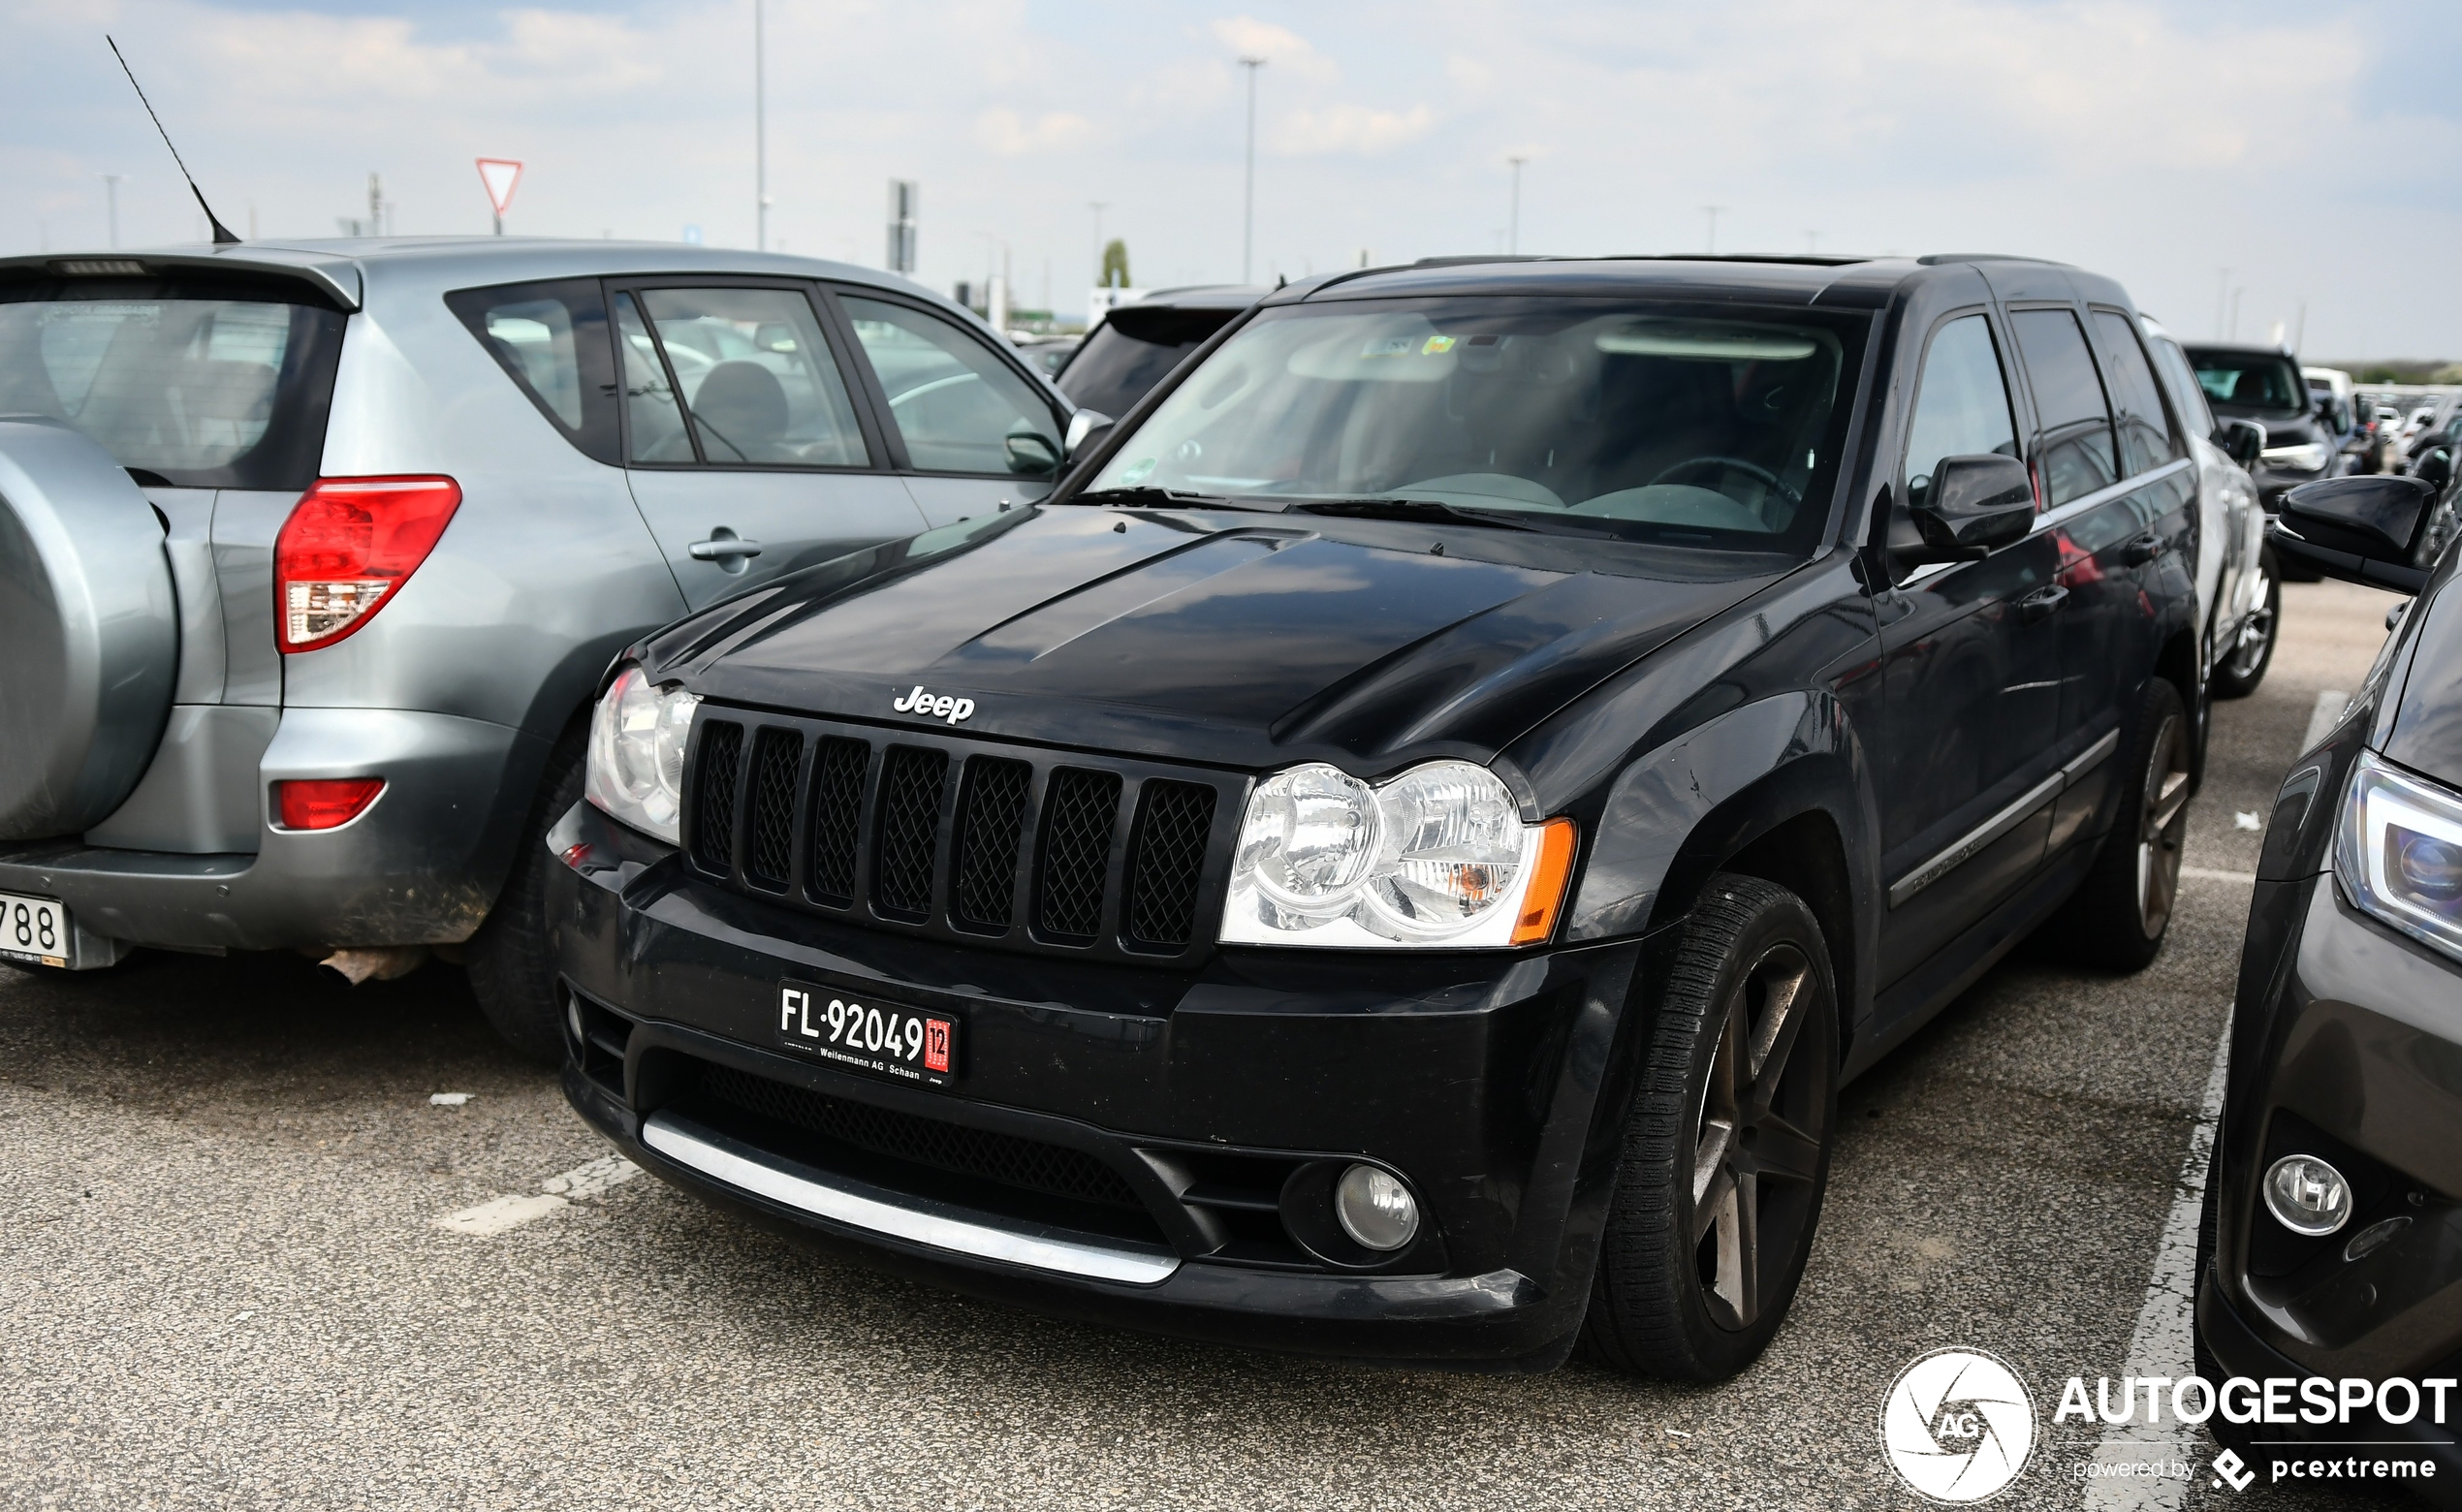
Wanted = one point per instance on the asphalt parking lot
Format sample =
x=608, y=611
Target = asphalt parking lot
x=223, y=1281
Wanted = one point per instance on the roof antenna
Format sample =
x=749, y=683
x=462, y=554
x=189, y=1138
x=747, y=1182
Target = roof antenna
x=222, y=237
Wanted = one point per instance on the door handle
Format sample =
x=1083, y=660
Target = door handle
x=2039, y=604
x=2146, y=547
x=723, y=546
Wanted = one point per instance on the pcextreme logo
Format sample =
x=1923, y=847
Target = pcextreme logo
x=1957, y=1426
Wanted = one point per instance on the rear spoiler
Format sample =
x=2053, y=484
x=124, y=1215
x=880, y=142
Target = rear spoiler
x=336, y=279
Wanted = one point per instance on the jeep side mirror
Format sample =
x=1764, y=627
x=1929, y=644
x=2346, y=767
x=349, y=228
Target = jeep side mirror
x=1972, y=506
x=2365, y=530
x=2241, y=440
x=1032, y=456
x=1084, y=428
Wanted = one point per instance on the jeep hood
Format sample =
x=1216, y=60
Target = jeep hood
x=1227, y=637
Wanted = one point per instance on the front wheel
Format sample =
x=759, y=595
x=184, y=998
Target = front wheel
x=1726, y=1148
x=2251, y=651
x=2119, y=915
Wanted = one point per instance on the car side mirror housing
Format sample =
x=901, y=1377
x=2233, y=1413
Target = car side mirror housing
x=2436, y=469
x=2365, y=529
x=1032, y=456
x=1084, y=428
x=2241, y=440
x=1973, y=506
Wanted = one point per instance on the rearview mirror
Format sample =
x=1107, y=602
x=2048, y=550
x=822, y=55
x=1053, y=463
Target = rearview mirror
x=2364, y=529
x=2243, y=441
x=1084, y=428
x=1972, y=506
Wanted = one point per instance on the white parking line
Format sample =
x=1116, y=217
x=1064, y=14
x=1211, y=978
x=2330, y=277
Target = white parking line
x=590, y=1178
x=2162, y=1346
x=2213, y=874
x=2328, y=712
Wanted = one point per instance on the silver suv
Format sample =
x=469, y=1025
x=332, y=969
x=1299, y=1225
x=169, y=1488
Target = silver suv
x=311, y=557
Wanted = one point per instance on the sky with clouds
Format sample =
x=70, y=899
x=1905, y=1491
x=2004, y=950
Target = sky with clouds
x=2307, y=148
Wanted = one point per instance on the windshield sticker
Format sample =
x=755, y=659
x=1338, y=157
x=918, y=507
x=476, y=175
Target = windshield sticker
x=1390, y=346
x=1436, y=346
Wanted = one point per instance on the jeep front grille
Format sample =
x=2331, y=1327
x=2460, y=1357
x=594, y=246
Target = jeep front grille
x=947, y=835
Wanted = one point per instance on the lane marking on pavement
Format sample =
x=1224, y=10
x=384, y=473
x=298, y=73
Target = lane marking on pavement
x=588, y=1180
x=2162, y=1345
x=2328, y=712
x=2215, y=874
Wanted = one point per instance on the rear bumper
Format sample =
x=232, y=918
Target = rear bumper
x=1480, y=1080
x=421, y=867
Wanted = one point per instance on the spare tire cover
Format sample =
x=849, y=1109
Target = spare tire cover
x=89, y=631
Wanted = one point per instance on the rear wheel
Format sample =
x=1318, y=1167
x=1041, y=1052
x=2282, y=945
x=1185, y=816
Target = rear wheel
x=510, y=960
x=2120, y=913
x=2243, y=666
x=1726, y=1149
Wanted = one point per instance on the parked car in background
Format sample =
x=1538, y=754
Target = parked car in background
x=316, y=553
x=1397, y=856
x=2332, y=1238
x=2263, y=385
x=2239, y=587
x=1137, y=344
x=1048, y=355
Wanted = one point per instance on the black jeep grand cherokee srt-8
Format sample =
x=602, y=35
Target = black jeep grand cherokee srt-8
x=1396, y=857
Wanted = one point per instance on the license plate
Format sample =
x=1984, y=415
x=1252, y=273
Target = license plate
x=883, y=1039
x=34, y=930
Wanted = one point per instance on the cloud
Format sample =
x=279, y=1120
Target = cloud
x=1348, y=128
x=1282, y=49
x=1010, y=134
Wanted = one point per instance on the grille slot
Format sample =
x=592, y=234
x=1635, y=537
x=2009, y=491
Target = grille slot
x=909, y=828
x=838, y=810
x=1078, y=812
x=768, y=860
x=991, y=824
x=1005, y=1159
x=1166, y=862
x=713, y=817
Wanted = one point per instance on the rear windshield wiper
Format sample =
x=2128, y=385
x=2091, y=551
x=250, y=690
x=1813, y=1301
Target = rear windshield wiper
x=1425, y=512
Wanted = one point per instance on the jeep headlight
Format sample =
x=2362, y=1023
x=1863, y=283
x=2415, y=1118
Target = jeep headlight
x=2398, y=853
x=1436, y=857
x=2306, y=456
x=635, y=765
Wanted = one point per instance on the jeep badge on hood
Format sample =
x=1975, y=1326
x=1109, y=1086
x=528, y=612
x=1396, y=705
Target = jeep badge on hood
x=942, y=707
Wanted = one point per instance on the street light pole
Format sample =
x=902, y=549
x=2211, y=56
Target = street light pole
x=1712, y=210
x=760, y=139
x=1248, y=216
x=110, y=198
x=1099, y=207
x=1513, y=225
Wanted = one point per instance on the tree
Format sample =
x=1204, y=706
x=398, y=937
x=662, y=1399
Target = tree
x=1115, y=265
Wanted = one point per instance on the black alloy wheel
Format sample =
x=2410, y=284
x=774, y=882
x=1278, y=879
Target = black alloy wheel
x=2119, y=915
x=1726, y=1148
x=2243, y=666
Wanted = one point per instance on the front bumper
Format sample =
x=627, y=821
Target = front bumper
x=1216, y=1098
x=421, y=867
x=2347, y=1045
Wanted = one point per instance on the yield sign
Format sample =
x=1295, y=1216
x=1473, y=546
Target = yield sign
x=500, y=176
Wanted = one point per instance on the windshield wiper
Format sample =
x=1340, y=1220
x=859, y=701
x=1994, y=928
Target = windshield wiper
x=1149, y=496
x=1425, y=512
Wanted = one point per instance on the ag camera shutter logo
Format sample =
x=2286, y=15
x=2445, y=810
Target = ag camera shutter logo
x=1957, y=1426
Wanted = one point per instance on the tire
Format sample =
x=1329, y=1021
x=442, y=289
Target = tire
x=2243, y=666
x=2119, y=915
x=512, y=959
x=1695, y=1276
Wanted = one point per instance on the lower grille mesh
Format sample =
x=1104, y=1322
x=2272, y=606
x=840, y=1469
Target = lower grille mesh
x=1004, y=1158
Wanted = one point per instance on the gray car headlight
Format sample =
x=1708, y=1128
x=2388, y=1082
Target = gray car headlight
x=1436, y=857
x=2398, y=853
x=636, y=766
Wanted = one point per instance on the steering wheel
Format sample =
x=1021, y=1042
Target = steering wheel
x=1737, y=464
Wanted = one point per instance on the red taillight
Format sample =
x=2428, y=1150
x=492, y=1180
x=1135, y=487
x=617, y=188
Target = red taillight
x=324, y=803
x=348, y=544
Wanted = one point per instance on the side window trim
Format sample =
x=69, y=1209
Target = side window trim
x=834, y=336
x=657, y=349
x=876, y=394
x=869, y=396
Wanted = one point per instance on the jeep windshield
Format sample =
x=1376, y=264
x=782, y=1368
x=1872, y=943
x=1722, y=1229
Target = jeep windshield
x=1660, y=422
x=189, y=386
x=2249, y=381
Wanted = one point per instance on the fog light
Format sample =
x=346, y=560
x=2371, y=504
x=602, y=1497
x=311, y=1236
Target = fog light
x=1374, y=1209
x=2307, y=1196
x=573, y=1020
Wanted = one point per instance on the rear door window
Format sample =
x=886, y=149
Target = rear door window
x=2146, y=441
x=550, y=338
x=2075, y=443
x=183, y=385
x=758, y=381
x=653, y=426
x=957, y=407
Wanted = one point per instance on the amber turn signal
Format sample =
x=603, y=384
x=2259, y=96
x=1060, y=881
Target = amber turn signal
x=1548, y=882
